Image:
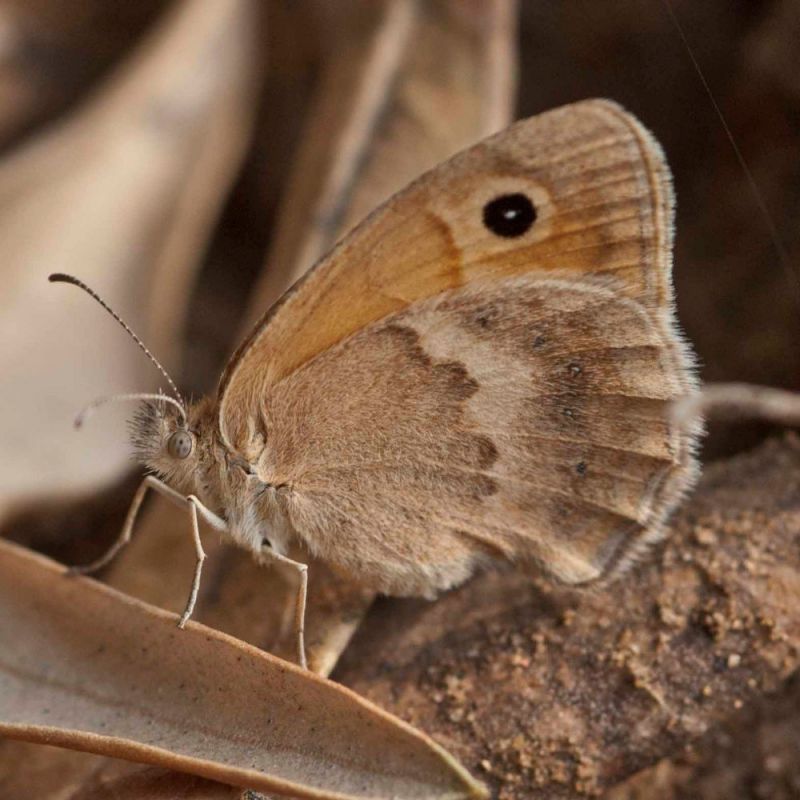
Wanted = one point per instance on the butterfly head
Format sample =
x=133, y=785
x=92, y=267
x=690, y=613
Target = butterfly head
x=160, y=435
x=172, y=441
x=165, y=430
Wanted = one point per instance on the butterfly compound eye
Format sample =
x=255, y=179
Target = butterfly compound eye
x=180, y=444
x=509, y=215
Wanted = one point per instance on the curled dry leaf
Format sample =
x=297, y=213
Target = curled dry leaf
x=85, y=667
x=739, y=401
x=122, y=193
x=52, y=50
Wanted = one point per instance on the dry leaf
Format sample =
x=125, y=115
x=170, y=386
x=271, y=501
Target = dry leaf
x=86, y=667
x=152, y=783
x=52, y=50
x=44, y=773
x=122, y=193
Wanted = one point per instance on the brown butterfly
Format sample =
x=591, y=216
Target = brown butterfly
x=479, y=373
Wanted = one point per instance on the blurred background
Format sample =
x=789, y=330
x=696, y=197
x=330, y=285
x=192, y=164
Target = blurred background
x=163, y=151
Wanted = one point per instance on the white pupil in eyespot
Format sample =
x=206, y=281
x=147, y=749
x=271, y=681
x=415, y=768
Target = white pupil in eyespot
x=180, y=444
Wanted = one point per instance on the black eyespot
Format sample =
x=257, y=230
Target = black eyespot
x=509, y=215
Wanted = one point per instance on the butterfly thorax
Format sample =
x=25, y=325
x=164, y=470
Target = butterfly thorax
x=180, y=452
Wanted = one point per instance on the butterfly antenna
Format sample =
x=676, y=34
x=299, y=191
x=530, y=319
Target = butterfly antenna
x=88, y=410
x=60, y=277
x=783, y=254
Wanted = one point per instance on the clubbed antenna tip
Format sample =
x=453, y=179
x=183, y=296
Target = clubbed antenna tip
x=61, y=277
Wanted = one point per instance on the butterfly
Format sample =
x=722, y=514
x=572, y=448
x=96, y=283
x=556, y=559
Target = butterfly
x=479, y=373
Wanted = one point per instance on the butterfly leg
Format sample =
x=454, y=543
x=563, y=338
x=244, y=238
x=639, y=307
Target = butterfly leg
x=195, y=507
x=300, y=605
x=127, y=529
x=192, y=503
x=198, y=567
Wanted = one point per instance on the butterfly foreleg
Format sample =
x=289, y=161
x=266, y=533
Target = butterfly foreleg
x=127, y=529
x=300, y=603
x=192, y=503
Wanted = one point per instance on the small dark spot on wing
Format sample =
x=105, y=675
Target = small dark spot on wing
x=408, y=338
x=462, y=384
x=484, y=319
x=575, y=369
x=487, y=452
x=483, y=486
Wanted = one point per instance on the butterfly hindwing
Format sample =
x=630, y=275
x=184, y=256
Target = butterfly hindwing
x=522, y=419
